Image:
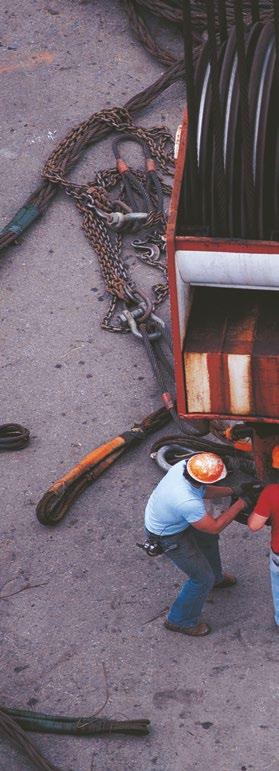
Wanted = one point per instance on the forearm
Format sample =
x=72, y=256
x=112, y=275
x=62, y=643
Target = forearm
x=228, y=516
x=218, y=492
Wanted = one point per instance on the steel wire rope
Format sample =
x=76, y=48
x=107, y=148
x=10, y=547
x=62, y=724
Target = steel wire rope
x=219, y=176
x=138, y=196
x=222, y=19
x=158, y=364
x=13, y=436
x=251, y=230
x=193, y=196
x=141, y=30
x=76, y=726
x=276, y=26
x=255, y=11
x=235, y=458
x=10, y=728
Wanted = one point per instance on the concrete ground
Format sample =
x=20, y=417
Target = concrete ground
x=79, y=624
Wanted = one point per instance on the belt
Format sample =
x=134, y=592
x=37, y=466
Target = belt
x=167, y=535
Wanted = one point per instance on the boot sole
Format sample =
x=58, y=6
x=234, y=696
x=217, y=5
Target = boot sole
x=189, y=631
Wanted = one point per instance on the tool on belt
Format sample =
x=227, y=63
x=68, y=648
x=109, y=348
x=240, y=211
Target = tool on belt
x=151, y=546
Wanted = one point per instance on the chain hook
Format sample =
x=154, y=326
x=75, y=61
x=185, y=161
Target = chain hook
x=149, y=250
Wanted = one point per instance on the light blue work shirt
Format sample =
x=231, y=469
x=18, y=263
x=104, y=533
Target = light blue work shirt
x=174, y=504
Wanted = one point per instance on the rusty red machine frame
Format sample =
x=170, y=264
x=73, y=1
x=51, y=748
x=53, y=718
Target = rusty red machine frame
x=265, y=429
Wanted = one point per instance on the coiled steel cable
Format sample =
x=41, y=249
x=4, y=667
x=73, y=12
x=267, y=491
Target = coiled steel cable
x=249, y=186
x=194, y=199
x=255, y=11
x=201, y=444
x=221, y=226
x=276, y=25
x=13, y=437
x=141, y=30
x=222, y=19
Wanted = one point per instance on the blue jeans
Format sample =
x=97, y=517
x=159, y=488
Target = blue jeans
x=274, y=575
x=196, y=554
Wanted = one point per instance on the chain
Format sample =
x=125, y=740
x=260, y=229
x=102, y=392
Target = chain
x=95, y=204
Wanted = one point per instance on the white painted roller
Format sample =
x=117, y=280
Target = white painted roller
x=184, y=304
x=240, y=269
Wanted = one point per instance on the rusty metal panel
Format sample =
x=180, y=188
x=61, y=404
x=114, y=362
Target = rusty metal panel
x=231, y=353
x=263, y=375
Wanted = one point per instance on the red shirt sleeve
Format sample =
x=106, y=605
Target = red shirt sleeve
x=263, y=506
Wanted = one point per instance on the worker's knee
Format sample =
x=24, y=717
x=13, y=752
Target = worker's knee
x=206, y=579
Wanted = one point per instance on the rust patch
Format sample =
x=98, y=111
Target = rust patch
x=43, y=57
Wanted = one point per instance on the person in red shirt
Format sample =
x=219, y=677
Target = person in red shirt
x=267, y=507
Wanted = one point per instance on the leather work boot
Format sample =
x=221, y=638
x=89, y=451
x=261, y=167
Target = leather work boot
x=226, y=582
x=200, y=630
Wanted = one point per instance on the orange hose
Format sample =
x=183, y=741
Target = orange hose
x=93, y=457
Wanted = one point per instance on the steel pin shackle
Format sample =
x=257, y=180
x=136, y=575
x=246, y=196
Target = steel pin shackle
x=116, y=219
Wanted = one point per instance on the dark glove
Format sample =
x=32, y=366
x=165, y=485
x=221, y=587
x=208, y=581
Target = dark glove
x=242, y=517
x=240, y=431
x=252, y=489
x=249, y=493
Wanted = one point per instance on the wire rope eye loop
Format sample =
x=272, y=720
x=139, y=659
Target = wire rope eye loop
x=127, y=137
x=157, y=320
x=155, y=332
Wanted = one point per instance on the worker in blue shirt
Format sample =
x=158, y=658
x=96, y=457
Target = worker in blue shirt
x=177, y=524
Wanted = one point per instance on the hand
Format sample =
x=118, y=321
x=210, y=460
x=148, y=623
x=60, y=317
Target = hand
x=252, y=488
x=242, y=517
x=249, y=492
x=248, y=502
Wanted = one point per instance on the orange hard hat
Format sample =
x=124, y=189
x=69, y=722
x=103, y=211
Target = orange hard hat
x=275, y=456
x=206, y=468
